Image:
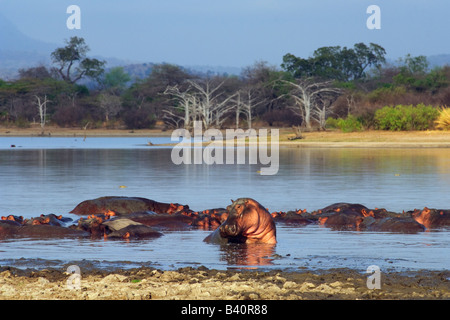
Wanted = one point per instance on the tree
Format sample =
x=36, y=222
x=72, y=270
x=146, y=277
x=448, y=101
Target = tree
x=342, y=64
x=310, y=97
x=413, y=74
x=211, y=105
x=367, y=56
x=205, y=100
x=247, y=100
x=39, y=72
x=260, y=90
x=42, y=107
x=185, y=106
x=116, y=80
x=110, y=104
x=414, y=65
x=73, y=63
x=148, y=94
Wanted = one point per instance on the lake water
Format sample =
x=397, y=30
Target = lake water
x=52, y=175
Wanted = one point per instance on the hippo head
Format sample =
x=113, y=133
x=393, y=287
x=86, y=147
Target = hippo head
x=248, y=221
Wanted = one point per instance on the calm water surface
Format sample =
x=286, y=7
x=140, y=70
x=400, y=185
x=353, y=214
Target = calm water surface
x=52, y=175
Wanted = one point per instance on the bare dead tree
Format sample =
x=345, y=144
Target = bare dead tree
x=42, y=107
x=110, y=104
x=186, y=102
x=211, y=106
x=306, y=93
x=251, y=99
x=172, y=118
x=322, y=108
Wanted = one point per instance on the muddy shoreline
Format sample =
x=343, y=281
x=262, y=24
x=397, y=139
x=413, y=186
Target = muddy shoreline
x=147, y=283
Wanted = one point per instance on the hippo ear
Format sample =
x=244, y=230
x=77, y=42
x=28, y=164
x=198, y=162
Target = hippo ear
x=232, y=201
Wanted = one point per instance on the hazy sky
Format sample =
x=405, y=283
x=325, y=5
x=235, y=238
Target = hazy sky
x=234, y=32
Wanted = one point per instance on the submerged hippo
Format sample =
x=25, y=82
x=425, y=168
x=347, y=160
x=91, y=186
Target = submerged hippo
x=342, y=216
x=125, y=205
x=247, y=222
x=10, y=229
x=50, y=219
x=432, y=218
x=392, y=224
x=128, y=229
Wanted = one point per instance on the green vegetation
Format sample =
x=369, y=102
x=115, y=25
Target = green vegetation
x=443, y=120
x=349, y=89
x=349, y=124
x=400, y=117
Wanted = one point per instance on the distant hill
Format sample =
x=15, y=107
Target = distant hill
x=439, y=60
x=20, y=51
x=219, y=70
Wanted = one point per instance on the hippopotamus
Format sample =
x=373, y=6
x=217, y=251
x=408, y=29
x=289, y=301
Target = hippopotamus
x=125, y=205
x=50, y=219
x=210, y=219
x=92, y=224
x=11, y=217
x=344, y=207
x=342, y=216
x=294, y=218
x=128, y=229
x=432, y=218
x=391, y=224
x=10, y=228
x=165, y=221
x=247, y=222
x=140, y=231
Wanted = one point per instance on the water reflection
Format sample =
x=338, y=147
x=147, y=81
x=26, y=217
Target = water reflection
x=251, y=254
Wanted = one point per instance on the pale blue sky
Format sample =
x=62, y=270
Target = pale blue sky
x=234, y=32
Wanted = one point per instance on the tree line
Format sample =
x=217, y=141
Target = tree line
x=335, y=82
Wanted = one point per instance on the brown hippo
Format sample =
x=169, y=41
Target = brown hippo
x=432, y=218
x=11, y=217
x=391, y=224
x=125, y=205
x=134, y=232
x=210, y=219
x=10, y=229
x=342, y=216
x=128, y=229
x=164, y=221
x=50, y=219
x=247, y=222
x=92, y=224
x=294, y=218
x=49, y=231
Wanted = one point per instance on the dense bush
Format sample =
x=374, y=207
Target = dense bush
x=349, y=124
x=67, y=116
x=138, y=119
x=406, y=117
